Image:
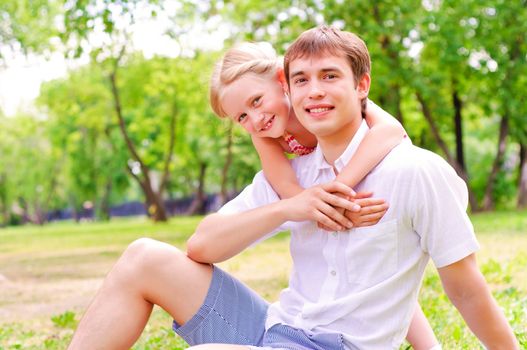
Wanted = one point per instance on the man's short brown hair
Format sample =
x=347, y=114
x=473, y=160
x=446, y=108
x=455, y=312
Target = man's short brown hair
x=325, y=40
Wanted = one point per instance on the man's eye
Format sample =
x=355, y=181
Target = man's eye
x=331, y=76
x=256, y=101
x=300, y=80
x=242, y=117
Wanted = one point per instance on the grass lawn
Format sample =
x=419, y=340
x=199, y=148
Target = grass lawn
x=49, y=274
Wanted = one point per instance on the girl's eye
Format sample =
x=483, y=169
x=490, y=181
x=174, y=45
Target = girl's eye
x=242, y=117
x=256, y=101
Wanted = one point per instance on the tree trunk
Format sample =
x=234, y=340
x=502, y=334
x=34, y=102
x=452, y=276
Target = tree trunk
x=3, y=200
x=226, y=166
x=450, y=159
x=39, y=215
x=75, y=212
x=102, y=211
x=522, y=186
x=198, y=204
x=154, y=203
x=391, y=101
x=488, y=200
x=25, y=218
x=458, y=123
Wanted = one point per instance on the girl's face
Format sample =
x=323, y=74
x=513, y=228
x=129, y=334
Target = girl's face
x=259, y=104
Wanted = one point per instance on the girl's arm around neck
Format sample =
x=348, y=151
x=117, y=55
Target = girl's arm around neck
x=276, y=167
x=385, y=133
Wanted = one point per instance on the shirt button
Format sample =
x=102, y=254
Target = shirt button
x=334, y=234
x=304, y=316
x=333, y=272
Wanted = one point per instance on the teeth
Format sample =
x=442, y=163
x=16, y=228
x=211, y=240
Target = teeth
x=267, y=125
x=319, y=110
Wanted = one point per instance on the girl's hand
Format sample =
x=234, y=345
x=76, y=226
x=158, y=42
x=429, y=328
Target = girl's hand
x=372, y=210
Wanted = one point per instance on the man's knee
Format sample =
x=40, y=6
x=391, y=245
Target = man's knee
x=145, y=255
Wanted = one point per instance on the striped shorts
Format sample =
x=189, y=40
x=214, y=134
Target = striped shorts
x=234, y=314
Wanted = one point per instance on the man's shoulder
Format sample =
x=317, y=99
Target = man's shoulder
x=409, y=164
x=408, y=157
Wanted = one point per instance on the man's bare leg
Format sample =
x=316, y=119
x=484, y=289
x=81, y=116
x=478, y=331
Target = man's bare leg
x=149, y=272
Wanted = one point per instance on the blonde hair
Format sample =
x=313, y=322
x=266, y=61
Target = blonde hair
x=243, y=58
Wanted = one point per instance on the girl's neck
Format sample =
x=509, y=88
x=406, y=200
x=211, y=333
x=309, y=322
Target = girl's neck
x=295, y=128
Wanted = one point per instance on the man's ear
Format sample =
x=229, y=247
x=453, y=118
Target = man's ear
x=280, y=74
x=363, y=87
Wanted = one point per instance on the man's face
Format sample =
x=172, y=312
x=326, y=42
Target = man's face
x=324, y=95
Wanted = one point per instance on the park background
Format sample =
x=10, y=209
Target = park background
x=127, y=129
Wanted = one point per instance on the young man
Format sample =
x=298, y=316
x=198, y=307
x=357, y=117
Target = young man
x=358, y=291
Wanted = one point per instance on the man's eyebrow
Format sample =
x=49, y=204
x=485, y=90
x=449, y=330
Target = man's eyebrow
x=297, y=73
x=323, y=70
x=330, y=69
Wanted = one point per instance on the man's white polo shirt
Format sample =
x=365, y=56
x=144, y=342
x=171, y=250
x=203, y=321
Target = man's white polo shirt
x=364, y=282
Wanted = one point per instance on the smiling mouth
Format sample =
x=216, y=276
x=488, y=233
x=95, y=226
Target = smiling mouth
x=268, y=124
x=318, y=109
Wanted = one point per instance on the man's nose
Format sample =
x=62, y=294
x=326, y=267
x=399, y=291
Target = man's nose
x=316, y=91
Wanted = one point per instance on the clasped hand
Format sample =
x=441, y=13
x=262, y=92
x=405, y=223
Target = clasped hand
x=336, y=207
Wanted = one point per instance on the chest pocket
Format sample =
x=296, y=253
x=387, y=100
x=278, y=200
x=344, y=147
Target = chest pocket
x=371, y=254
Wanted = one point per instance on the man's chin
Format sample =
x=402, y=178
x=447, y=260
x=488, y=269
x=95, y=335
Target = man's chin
x=320, y=131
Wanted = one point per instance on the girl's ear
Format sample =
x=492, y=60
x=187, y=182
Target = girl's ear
x=281, y=78
x=363, y=88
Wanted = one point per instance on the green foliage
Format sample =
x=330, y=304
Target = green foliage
x=435, y=49
x=27, y=25
x=65, y=320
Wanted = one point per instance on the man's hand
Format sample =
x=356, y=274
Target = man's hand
x=318, y=204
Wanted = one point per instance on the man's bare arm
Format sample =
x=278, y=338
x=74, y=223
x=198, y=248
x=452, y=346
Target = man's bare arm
x=467, y=289
x=221, y=236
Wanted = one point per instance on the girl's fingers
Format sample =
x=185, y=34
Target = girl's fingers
x=373, y=209
x=365, y=202
x=361, y=195
x=372, y=217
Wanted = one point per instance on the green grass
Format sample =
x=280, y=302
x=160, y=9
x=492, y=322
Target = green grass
x=49, y=274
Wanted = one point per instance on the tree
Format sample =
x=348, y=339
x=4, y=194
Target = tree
x=30, y=175
x=505, y=71
x=79, y=127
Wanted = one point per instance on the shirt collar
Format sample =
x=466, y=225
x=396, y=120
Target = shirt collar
x=345, y=157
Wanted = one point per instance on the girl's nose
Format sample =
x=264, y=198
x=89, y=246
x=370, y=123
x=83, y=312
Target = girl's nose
x=257, y=120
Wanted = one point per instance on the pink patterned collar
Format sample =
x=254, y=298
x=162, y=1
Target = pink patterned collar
x=295, y=146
